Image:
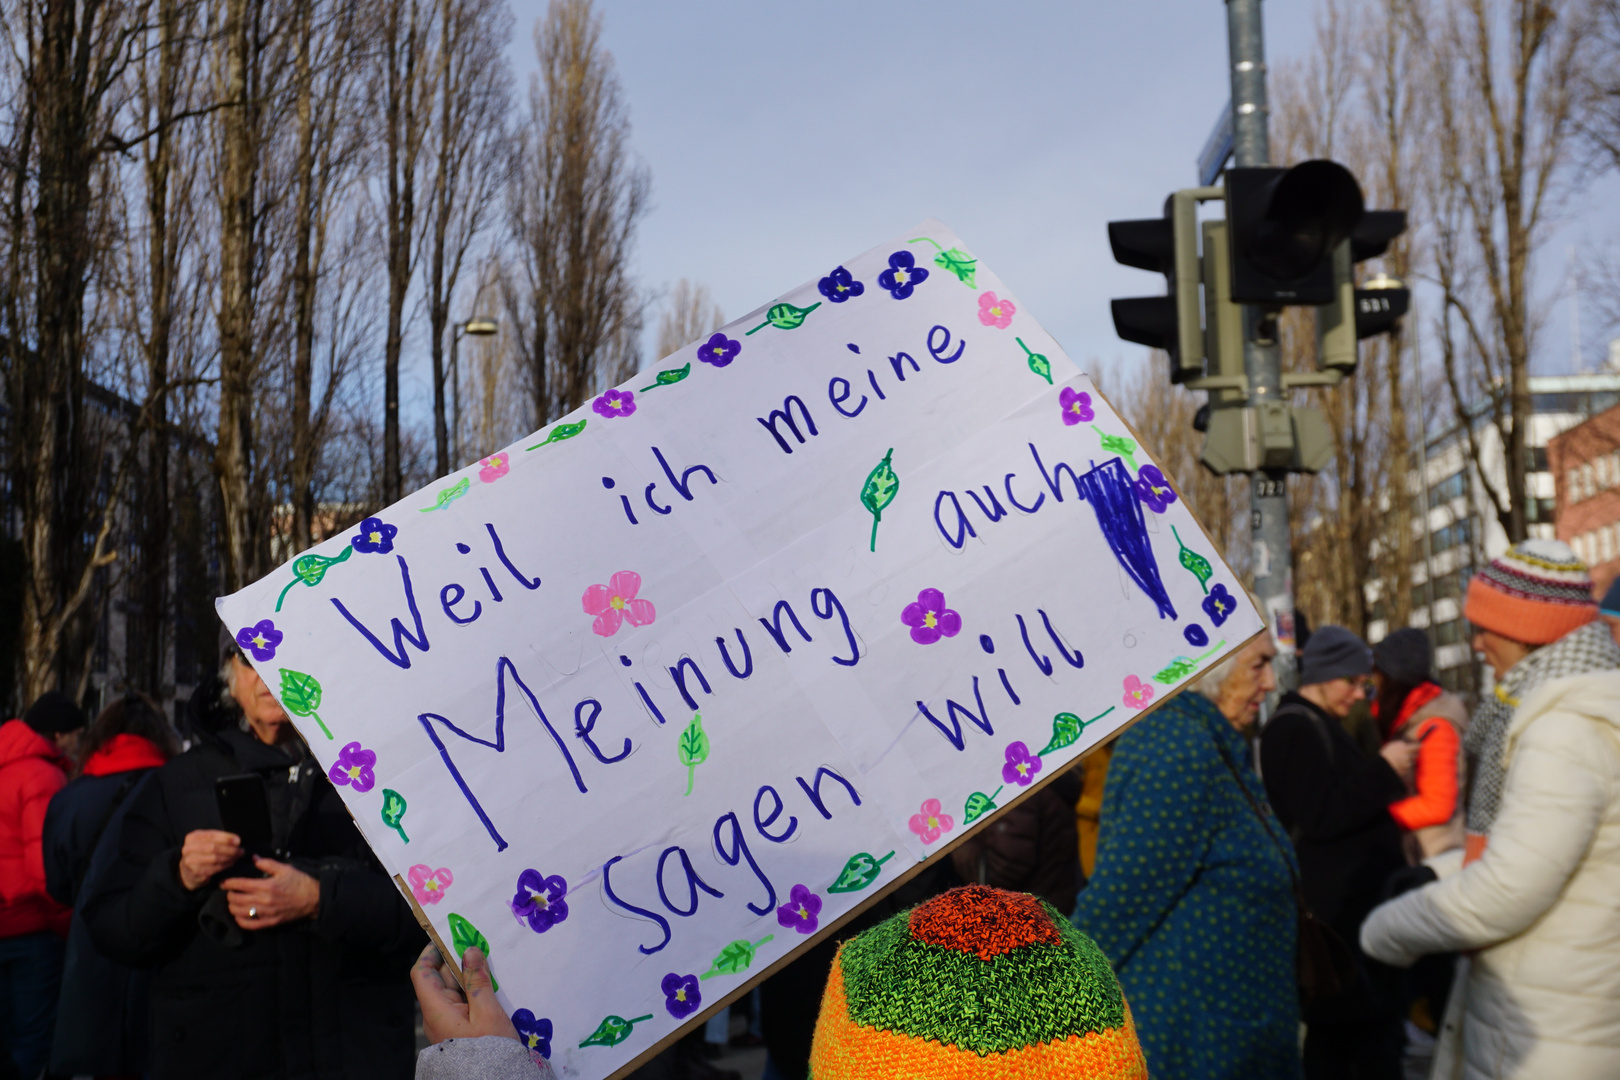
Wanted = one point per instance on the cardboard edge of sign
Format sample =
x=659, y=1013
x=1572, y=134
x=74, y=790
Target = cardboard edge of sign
x=449, y=957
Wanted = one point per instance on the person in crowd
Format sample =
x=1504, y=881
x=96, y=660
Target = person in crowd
x=1536, y=896
x=1411, y=706
x=1334, y=801
x=101, y=1016
x=471, y=1036
x=975, y=982
x=1031, y=847
x=33, y=767
x=293, y=966
x=1609, y=609
x=1192, y=900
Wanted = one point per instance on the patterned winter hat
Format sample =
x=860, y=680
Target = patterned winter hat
x=977, y=982
x=1535, y=592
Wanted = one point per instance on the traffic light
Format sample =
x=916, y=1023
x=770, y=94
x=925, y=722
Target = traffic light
x=1166, y=245
x=1355, y=313
x=1285, y=225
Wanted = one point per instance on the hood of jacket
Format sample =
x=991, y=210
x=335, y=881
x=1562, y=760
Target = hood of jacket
x=122, y=753
x=1595, y=695
x=19, y=741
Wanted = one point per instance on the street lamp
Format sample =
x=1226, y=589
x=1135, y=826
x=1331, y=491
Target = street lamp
x=477, y=326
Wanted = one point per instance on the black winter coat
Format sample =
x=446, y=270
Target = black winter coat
x=1031, y=847
x=101, y=1017
x=1333, y=799
x=327, y=997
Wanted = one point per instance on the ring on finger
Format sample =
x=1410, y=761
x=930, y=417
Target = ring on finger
x=253, y=913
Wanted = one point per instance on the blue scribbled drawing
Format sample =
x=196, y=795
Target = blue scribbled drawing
x=1112, y=494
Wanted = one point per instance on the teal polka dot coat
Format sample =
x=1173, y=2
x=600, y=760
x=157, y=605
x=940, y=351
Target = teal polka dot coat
x=1192, y=901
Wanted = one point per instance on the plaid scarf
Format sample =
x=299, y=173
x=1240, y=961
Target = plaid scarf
x=1590, y=648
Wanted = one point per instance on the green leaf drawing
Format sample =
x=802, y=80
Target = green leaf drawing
x=455, y=491
x=463, y=934
x=1194, y=562
x=1118, y=444
x=861, y=870
x=310, y=569
x=879, y=491
x=666, y=378
x=1182, y=666
x=694, y=748
x=1066, y=729
x=301, y=695
x=785, y=316
x=613, y=1031
x=563, y=431
x=1039, y=364
x=955, y=260
x=735, y=958
x=393, y=812
x=979, y=804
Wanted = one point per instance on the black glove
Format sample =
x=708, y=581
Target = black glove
x=1406, y=879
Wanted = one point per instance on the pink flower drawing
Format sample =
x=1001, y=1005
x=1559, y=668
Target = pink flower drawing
x=996, y=312
x=615, y=602
x=1137, y=693
x=427, y=884
x=494, y=467
x=931, y=822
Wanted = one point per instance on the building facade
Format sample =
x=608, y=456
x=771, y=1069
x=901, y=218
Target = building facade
x=1456, y=526
x=1585, y=462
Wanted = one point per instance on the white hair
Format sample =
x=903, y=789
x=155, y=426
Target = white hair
x=1210, y=682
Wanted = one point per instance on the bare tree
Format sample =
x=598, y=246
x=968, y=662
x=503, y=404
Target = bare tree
x=1506, y=98
x=689, y=316
x=573, y=203
x=471, y=96
x=406, y=34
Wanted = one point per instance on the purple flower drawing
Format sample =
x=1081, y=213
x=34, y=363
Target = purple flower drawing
x=260, y=639
x=1219, y=605
x=719, y=350
x=540, y=901
x=681, y=996
x=1195, y=635
x=534, y=1034
x=840, y=285
x=1076, y=406
x=930, y=619
x=376, y=537
x=615, y=403
x=1021, y=765
x=902, y=276
x=801, y=911
x=353, y=766
x=1154, y=491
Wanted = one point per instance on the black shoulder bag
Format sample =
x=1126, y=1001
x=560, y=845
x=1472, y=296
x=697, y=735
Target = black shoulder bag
x=1323, y=963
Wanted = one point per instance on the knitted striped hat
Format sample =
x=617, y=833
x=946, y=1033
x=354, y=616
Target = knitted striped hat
x=1535, y=592
x=980, y=983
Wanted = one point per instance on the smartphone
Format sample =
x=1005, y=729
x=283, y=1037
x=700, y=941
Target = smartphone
x=244, y=809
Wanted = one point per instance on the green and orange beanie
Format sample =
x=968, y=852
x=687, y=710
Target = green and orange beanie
x=977, y=982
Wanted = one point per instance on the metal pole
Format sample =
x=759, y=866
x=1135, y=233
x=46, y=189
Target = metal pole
x=1262, y=358
x=455, y=397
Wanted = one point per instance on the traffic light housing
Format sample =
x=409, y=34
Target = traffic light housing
x=1166, y=245
x=1285, y=225
x=1355, y=313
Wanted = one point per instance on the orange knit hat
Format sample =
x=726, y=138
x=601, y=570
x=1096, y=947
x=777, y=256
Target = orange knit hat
x=975, y=984
x=1535, y=592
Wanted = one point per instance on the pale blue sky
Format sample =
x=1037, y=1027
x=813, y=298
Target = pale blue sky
x=784, y=138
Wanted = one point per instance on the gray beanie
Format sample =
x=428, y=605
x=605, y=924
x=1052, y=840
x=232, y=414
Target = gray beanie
x=1405, y=656
x=1333, y=653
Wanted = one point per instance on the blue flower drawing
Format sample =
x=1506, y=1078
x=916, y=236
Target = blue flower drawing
x=902, y=276
x=1219, y=605
x=840, y=285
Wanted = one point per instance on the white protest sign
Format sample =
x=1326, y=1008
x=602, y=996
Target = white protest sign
x=646, y=699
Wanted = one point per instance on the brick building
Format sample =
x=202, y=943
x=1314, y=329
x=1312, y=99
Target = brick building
x=1585, y=464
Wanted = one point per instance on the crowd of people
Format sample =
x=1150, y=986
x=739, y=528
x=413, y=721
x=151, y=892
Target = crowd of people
x=1373, y=884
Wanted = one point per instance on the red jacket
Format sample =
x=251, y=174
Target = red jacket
x=31, y=771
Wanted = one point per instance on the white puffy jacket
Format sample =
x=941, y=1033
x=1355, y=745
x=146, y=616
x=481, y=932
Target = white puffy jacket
x=1542, y=905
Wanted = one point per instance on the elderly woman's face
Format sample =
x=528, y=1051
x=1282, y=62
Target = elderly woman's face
x=265, y=716
x=1251, y=680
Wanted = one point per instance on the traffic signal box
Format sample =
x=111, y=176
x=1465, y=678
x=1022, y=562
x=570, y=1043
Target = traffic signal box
x=1291, y=237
